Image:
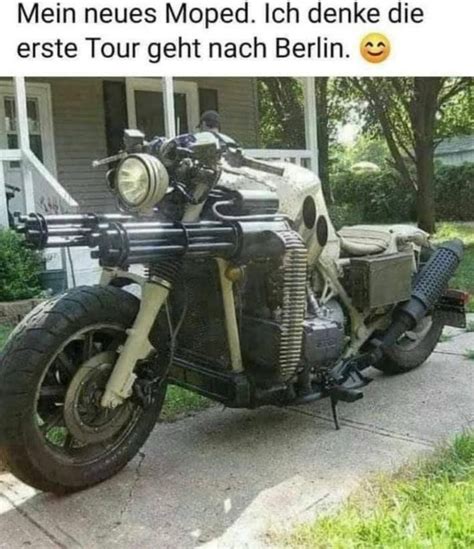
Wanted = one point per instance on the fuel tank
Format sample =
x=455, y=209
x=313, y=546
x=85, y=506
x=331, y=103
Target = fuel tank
x=301, y=199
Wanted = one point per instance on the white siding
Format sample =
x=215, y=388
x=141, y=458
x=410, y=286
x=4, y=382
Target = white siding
x=79, y=127
x=456, y=158
x=455, y=151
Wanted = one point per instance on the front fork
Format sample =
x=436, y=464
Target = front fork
x=137, y=346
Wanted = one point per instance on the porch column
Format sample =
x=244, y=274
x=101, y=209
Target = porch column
x=3, y=198
x=24, y=141
x=168, y=106
x=311, y=121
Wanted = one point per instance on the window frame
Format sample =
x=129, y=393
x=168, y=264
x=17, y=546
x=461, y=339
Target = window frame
x=190, y=89
x=42, y=93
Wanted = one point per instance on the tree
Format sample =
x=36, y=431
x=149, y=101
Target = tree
x=365, y=148
x=281, y=113
x=282, y=118
x=411, y=114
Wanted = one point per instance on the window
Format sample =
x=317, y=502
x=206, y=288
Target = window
x=150, y=113
x=145, y=105
x=116, y=115
x=208, y=100
x=34, y=127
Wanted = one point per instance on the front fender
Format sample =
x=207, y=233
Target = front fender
x=120, y=278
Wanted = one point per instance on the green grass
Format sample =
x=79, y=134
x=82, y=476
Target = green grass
x=470, y=327
x=178, y=401
x=469, y=354
x=464, y=278
x=430, y=505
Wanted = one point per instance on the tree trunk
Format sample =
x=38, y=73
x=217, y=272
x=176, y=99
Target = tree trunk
x=425, y=196
x=371, y=90
x=423, y=114
x=323, y=136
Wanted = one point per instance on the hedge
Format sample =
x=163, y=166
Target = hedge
x=454, y=186
x=381, y=197
x=19, y=268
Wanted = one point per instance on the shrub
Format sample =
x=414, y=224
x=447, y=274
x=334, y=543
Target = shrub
x=345, y=214
x=19, y=268
x=378, y=196
x=381, y=197
x=454, y=191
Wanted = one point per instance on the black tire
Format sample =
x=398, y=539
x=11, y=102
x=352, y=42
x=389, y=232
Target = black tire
x=404, y=357
x=24, y=366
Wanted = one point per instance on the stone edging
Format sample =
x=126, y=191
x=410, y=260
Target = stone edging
x=12, y=312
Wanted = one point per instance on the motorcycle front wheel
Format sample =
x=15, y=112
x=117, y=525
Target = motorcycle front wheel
x=55, y=436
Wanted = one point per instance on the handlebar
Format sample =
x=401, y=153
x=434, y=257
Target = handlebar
x=206, y=147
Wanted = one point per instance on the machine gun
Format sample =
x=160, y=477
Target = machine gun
x=120, y=240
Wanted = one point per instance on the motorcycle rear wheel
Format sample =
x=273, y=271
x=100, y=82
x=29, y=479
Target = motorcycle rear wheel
x=55, y=436
x=413, y=348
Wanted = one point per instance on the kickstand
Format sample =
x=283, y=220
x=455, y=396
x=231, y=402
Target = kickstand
x=334, y=412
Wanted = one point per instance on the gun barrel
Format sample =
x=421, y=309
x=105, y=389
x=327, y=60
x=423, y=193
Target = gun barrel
x=118, y=240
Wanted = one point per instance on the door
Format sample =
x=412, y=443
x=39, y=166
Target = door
x=40, y=125
x=146, y=111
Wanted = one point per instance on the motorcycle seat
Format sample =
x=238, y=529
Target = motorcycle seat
x=361, y=240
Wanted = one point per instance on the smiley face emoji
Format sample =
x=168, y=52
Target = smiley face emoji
x=375, y=47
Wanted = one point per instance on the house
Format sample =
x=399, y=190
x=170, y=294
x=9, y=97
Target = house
x=73, y=121
x=456, y=150
x=51, y=129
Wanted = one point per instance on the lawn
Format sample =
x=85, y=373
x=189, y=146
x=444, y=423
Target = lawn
x=179, y=402
x=464, y=278
x=428, y=505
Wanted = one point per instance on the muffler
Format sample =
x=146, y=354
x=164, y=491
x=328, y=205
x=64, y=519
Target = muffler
x=430, y=285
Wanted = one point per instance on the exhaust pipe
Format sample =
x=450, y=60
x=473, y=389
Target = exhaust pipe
x=430, y=285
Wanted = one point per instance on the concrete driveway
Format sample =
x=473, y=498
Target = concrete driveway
x=225, y=479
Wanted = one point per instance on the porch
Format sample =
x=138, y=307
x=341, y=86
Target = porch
x=52, y=129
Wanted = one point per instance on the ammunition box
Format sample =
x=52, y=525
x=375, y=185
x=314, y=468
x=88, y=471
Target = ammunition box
x=381, y=280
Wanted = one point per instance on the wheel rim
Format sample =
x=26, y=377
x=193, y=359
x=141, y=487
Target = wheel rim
x=413, y=338
x=61, y=410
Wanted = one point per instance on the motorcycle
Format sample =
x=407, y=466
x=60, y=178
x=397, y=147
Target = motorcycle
x=247, y=295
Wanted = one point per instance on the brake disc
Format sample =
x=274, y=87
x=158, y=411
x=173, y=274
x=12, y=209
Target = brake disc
x=85, y=418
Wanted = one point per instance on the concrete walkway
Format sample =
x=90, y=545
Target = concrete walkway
x=228, y=479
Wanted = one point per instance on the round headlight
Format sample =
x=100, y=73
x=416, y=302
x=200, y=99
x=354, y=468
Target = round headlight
x=141, y=182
